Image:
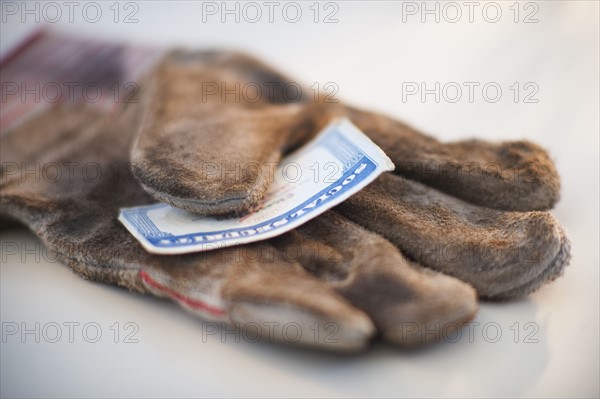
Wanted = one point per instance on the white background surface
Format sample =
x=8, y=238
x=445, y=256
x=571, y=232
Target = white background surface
x=369, y=53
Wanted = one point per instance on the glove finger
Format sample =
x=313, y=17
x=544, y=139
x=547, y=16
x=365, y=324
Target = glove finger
x=408, y=304
x=221, y=146
x=512, y=175
x=502, y=254
x=265, y=291
x=76, y=217
x=254, y=288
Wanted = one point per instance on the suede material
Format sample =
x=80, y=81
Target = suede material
x=221, y=148
x=330, y=270
x=218, y=123
x=503, y=255
x=374, y=276
x=510, y=175
x=357, y=280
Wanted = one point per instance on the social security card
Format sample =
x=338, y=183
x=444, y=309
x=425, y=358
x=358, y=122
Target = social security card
x=336, y=164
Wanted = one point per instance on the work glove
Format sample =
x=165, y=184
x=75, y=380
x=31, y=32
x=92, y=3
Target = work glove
x=342, y=276
x=329, y=283
x=450, y=207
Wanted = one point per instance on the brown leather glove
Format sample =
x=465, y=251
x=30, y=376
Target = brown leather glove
x=435, y=207
x=312, y=286
x=340, y=276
